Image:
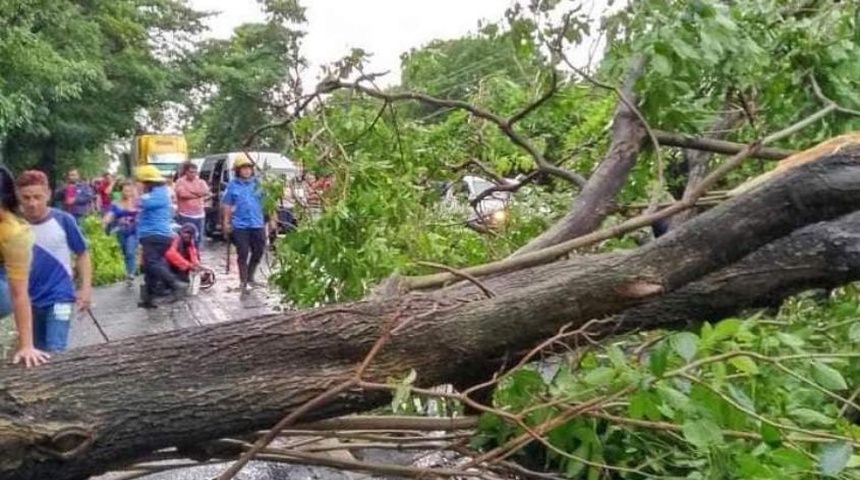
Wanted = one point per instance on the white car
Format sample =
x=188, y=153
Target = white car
x=489, y=212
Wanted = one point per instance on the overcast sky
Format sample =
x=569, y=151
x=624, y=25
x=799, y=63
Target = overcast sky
x=385, y=28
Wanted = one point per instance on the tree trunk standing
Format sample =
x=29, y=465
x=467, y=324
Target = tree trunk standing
x=593, y=202
x=100, y=407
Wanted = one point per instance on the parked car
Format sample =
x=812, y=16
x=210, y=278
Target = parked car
x=490, y=212
x=217, y=171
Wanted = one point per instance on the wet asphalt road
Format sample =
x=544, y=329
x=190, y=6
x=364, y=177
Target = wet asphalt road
x=115, y=307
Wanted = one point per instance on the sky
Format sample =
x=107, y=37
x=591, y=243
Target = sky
x=384, y=28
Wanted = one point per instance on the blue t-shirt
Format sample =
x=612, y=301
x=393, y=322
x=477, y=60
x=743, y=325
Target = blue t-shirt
x=246, y=198
x=156, y=213
x=123, y=220
x=55, y=239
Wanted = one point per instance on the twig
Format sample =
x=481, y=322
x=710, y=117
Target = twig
x=302, y=105
x=481, y=166
x=505, y=187
x=465, y=276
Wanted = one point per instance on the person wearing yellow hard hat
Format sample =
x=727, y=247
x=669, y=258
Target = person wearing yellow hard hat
x=155, y=234
x=243, y=221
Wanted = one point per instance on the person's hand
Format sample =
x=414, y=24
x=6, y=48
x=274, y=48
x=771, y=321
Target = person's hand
x=83, y=299
x=227, y=229
x=30, y=357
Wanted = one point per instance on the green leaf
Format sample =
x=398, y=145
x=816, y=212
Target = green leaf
x=658, y=359
x=599, y=377
x=726, y=329
x=661, y=65
x=684, y=345
x=770, y=434
x=811, y=417
x=854, y=331
x=744, y=364
x=739, y=396
x=834, y=457
x=828, y=377
x=786, y=457
x=702, y=433
x=790, y=340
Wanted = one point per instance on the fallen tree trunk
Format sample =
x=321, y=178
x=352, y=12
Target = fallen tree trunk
x=101, y=407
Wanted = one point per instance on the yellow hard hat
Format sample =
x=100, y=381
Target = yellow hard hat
x=242, y=160
x=148, y=173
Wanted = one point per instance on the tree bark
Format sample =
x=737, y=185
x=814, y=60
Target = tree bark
x=594, y=201
x=100, y=407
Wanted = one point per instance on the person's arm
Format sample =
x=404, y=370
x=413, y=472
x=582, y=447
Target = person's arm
x=183, y=192
x=227, y=202
x=85, y=275
x=204, y=191
x=193, y=256
x=109, y=217
x=17, y=252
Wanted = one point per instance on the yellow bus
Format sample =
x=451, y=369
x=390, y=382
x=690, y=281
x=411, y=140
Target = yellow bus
x=165, y=151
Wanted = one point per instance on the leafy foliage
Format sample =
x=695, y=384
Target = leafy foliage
x=750, y=398
x=77, y=74
x=105, y=254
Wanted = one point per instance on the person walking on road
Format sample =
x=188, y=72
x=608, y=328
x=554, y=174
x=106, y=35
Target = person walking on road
x=191, y=194
x=242, y=220
x=16, y=244
x=52, y=280
x=78, y=196
x=155, y=235
x=122, y=218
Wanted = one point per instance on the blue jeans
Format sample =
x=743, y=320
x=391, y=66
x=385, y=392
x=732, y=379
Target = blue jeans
x=51, y=326
x=198, y=224
x=128, y=245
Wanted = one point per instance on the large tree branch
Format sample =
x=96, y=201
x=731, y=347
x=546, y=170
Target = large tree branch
x=554, y=252
x=189, y=386
x=693, y=142
x=505, y=125
x=595, y=200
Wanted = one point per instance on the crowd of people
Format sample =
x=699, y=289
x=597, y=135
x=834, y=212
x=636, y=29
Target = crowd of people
x=43, y=252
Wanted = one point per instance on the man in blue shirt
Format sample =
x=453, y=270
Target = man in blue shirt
x=52, y=285
x=242, y=220
x=155, y=234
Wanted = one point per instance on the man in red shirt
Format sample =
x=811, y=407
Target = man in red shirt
x=182, y=255
x=103, y=186
x=192, y=192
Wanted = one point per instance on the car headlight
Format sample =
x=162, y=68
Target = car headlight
x=499, y=216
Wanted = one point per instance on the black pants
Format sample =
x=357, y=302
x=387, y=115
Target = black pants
x=250, y=245
x=155, y=267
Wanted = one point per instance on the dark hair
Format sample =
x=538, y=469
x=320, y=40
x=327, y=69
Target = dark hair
x=185, y=167
x=8, y=197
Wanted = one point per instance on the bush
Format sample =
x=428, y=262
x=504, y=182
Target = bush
x=105, y=253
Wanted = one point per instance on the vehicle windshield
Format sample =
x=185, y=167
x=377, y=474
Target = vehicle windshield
x=172, y=158
x=481, y=185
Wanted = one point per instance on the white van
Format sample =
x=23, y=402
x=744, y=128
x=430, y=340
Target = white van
x=217, y=171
